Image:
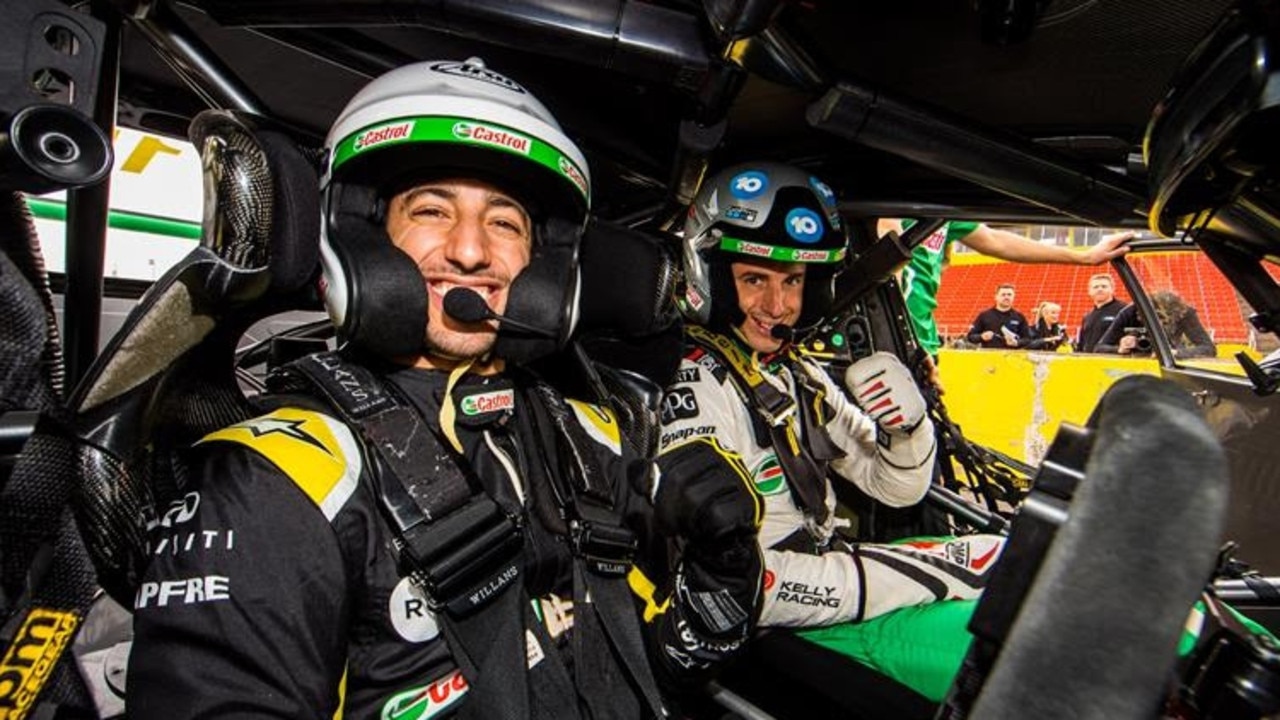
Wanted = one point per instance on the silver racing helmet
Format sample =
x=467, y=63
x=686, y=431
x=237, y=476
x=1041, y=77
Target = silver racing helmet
x=440, y=119
x=764, y=210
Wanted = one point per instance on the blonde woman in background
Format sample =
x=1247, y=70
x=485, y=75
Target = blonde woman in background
x=1046, y=332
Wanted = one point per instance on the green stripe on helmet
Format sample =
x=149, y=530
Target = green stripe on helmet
x=462, y=131
x=780, y=254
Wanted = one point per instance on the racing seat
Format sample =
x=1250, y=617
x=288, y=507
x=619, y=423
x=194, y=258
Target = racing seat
x=166, y=379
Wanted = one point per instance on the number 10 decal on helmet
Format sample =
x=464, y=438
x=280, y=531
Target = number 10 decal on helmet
x=768, y=211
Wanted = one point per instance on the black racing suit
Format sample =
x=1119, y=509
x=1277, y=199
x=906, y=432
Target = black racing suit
x=275, y=591
x=1096, y=323
x=1001, y=323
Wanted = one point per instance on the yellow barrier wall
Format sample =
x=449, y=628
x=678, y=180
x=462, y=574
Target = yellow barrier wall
x=1013, y=401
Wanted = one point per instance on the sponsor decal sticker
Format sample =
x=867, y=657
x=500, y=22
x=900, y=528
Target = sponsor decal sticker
x=808, y=595
x=670, y=438
x=178, y=543
x=740, y=214
x=782, y=254
x=823, y=189
x=495, y=401
x=489, y=135
x=679, y=404
x=426, y=701
x=532, y=650
x=572, y=172
x=445, y=129
x=183, y=591
x=713, y=204
x=804, y=225
x=179, y=511
x=768, y=476
x=688, y=375
x=383, y=134
x=935, y=241
x=693, y=297
x=749, y=185
x=410, y=616
x=31, y=658
x=477, y=72
x=769, y=579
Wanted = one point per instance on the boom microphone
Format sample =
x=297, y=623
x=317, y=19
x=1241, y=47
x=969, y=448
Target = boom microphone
x=785, y=333
x=467, y=306
x=1096, y=636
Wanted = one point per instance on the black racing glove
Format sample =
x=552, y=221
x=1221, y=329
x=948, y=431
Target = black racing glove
x=706, y=501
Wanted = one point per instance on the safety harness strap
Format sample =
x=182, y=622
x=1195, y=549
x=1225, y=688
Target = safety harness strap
x=454, y=541
x=794, y=448
x=604, y=551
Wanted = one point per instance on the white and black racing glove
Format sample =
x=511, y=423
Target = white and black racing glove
x=883, y=388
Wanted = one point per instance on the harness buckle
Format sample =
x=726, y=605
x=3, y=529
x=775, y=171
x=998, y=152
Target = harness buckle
x=467, y=558
x=608, y=549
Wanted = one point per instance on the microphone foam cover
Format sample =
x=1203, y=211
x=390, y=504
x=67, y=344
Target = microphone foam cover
x=466, y=305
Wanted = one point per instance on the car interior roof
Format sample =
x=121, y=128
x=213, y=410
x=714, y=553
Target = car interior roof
x=1080, y=78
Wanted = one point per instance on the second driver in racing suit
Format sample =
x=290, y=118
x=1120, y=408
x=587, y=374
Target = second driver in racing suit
x=762, y=244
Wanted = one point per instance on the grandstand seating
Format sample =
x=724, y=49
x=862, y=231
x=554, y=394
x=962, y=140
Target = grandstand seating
x=968, y=287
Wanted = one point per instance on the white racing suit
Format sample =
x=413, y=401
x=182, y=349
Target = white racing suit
x=819, y=579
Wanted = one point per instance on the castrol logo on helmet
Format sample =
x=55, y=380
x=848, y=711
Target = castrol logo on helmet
x=812, y=255
x=488, y=135
x=758, y=250
x=571, y=171
x=383, y=134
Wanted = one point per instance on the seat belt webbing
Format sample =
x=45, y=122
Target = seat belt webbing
x=805, y=478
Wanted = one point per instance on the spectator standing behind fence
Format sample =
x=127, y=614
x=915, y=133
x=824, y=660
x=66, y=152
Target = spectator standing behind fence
x=1180, y=322
x=922, y=275
x=1000, y=326
x=1098, y=320
x=1046, y=332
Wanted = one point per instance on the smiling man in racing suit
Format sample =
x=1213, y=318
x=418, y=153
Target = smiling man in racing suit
x=761, y=247
x=424, y=528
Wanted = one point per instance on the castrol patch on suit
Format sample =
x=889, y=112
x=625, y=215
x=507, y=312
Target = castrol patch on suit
x=484, y=404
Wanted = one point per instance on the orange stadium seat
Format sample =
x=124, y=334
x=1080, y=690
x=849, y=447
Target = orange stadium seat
x=968, y=289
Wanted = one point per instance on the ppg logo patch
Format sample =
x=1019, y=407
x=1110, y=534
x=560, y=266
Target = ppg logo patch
x=679, y=404
x=804, y=225
x=749, y=185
